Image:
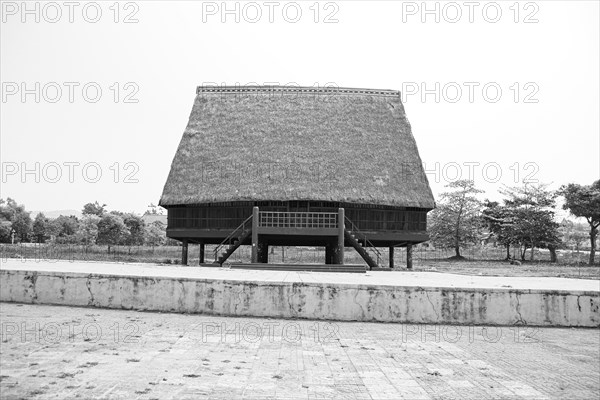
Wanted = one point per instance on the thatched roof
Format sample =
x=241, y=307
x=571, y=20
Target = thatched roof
x=292, y=143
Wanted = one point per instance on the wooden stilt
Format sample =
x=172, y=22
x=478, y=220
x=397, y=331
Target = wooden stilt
x=184, y=252
x=201, y=256
x=391, y=257
x=262, y=252
x=409, y=260
x=328, y=253
x=255, y=235
x=340, y=242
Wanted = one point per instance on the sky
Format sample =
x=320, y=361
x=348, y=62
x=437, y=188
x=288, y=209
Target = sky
x=96, y=95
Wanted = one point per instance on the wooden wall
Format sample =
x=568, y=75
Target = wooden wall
x=231, y=215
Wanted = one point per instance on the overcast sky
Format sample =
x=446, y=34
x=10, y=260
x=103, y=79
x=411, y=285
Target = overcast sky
x=509, y=89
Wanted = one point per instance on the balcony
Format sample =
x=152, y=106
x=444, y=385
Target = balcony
x=299, y=220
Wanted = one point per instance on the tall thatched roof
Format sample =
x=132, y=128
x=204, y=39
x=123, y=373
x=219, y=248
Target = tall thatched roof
x=297, y=143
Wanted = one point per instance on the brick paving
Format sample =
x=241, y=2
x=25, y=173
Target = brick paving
x=69, y=352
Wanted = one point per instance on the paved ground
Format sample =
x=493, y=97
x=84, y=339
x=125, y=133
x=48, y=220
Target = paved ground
x=69, y=352
x=387, y=278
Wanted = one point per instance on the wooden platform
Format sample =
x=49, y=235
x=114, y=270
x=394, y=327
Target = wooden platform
x=302, y=267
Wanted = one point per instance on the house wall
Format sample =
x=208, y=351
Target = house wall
x=365, y=217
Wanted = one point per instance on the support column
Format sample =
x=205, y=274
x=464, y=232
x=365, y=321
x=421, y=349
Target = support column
x=184, y=252
x=340, y=241
x=391, y=257
x=328, y=253
x=409, y=263
x=201, y=258
x=254, y=258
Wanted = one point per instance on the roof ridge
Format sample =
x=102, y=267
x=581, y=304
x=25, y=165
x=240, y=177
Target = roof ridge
x=295, y=89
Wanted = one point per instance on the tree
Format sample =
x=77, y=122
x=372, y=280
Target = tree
x=531, y=211
x=500, y=220
x=40, y=227
x=5, y=222
x=94, y=209
x=111, y=230
x=88, y=229
x=22, y=226
x=573, y=234
x=136, y=228
x=14, y=214
x=64, y=228
x=155, y=234
x=5, y=230
x=456, y=221
x=584, y=201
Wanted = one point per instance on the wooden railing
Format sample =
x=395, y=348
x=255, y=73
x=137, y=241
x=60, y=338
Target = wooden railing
x=246, y=225
x=276, y=219
x=367, y=244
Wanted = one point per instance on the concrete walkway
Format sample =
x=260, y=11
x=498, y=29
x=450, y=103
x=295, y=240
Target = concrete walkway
x=53, y=352
x=381, y=278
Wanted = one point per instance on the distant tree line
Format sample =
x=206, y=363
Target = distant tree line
x=523, y=220
x=97, y=226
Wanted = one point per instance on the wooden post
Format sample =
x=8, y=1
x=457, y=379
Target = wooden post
x=340, y=243
x=266, y=253
x=391, y=257
x=184, y=252
x=409, y=264
x=328, y=253
x=201, y=258
x=255, y=235
x=262, y=251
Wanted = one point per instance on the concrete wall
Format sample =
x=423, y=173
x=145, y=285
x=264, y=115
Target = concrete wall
x=305, y=300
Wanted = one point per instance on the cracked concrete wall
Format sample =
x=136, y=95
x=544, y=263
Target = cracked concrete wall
x=305, y=300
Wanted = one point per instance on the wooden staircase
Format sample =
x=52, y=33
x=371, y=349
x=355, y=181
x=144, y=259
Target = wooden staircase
x=354, y=236
x=233, y=241
x=237, y=242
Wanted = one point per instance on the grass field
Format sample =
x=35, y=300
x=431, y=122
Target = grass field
x=478, y=261
x=503, y=268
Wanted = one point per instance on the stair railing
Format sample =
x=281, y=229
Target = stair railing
x=233, y=235
x=368, y=245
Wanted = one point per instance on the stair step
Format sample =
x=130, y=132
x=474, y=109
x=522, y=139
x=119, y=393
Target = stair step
x=303, y=267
